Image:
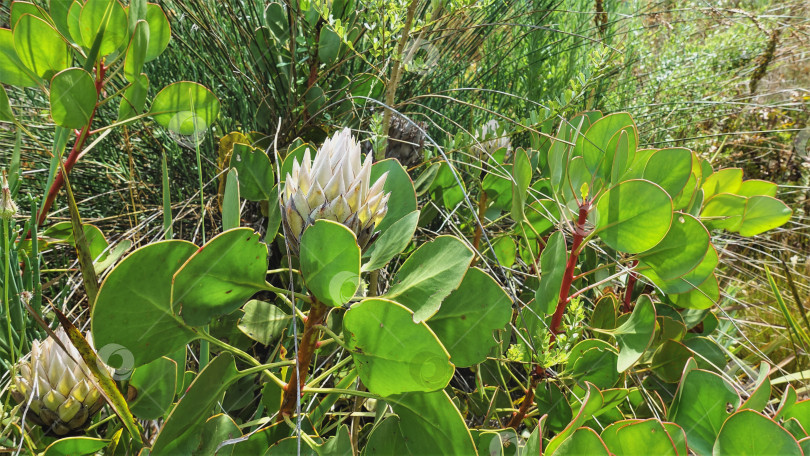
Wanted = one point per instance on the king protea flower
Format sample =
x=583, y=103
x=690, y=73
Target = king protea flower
x=55, y=386
x=335, y=187
x=490, y=140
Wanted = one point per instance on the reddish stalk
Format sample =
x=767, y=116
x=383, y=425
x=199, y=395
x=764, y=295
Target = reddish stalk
x=570, y=266
x=307, y=347
x=628, y=291
x=538, y=374
x=482, y=212
x=528, y=400
x=74, y=154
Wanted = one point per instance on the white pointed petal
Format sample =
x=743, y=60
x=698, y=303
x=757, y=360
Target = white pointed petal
x=316, y=196
x=300, y=203
x=378, y=186
x=341, y=209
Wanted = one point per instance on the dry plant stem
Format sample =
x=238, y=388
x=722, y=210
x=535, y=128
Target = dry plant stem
x=570, y=266
x=391, y=90
x=628, y=291
x=74, y=154
x=309, y=342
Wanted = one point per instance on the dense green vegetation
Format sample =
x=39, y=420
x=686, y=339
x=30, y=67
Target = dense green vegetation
x=404, y=227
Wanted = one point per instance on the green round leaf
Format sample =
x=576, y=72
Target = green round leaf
x=72, y=20
x=263, y=322
x=727, y=180
x=185, y=107
x=160, y=32
x=12, y=70
x=19, y=8
x=583, y=441
x=681, y=250
x=393, y=354
x=138, y=318
x=75, y=446
x=6, y=115
x=155, y=386
x=432, y=424
x=328, y=45
x=552, y=270
x=597, y=366
x=702, y=404
x=40, y=47
x=330, y=262
x=723, y=211
x=669, y=168
x=756, y=187
x=763, y=213
x=430, y=274
x=633, y=216
x=702, y=297
x=522, y=176
x=255, y=172
x=73, y=98
x=386, y=439
x=592, y=402
x=399, y=184
x=91, y=23
x=690, y=280
x=634, y=437
x=552, y=402
x=134, y=98
x=635, y=334
x=669, y=361
x=391, y=243
x=594, y=145
x=215, y=432
x=220, y=276
x=467, y=318
x=136, y=52
x=505, y=251
x=187, y=417
x=748, y=433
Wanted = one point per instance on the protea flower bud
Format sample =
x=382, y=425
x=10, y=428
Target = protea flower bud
x=334, y=186
x=490, y=139
x=8, y=208
x=54, y=384
x=405, y=141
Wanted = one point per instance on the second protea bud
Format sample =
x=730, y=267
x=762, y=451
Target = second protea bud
x=54, y=386
x=490, y=139
x=334, y=186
